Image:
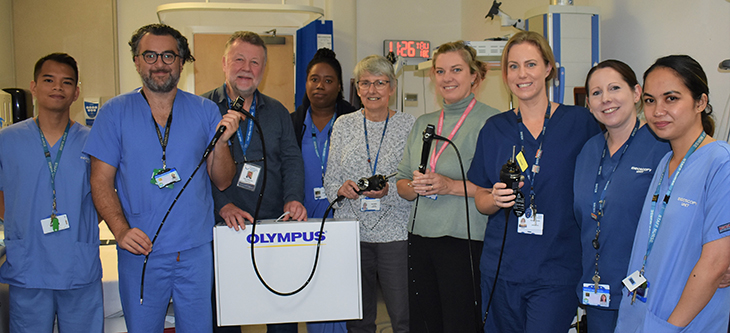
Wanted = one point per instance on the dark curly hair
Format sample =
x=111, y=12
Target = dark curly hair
x=158, y=29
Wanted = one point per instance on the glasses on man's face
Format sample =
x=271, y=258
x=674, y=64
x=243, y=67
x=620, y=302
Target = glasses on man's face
x=379, y=84
x=150, y=57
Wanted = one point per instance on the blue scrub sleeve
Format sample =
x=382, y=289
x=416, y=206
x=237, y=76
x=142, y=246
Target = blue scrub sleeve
x=477, y=173
x=104, y=140
x=717, y=211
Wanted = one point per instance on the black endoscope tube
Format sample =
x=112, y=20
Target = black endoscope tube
x=236, y=104
x=468, y=230
x=208, y=149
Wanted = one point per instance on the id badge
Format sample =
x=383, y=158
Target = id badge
x=319, y=193
x=530, y=223
x=53, y=224
x=633, y=281
x=369, y=205
x=642, y=292
x=601, y=298
x=249, y=176
x=165, y=177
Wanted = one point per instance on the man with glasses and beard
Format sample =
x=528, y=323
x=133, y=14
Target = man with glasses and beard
x=139, y=149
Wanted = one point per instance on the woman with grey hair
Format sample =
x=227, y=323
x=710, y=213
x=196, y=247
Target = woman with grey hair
x=365, y=143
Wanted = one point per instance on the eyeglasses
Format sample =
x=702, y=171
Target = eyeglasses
x=379, y=84
x=150, y=57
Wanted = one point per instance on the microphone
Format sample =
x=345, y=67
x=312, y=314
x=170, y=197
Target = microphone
x=427, y=139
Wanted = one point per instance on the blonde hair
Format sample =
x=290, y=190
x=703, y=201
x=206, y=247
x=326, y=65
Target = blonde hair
x=539, y=42
x=468, y=54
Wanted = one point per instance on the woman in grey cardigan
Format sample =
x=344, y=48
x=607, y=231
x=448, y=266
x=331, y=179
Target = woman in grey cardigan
x=364, y=143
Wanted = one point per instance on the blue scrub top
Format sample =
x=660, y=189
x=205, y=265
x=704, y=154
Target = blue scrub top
x=313, y=168
x=124, y=137
x=697, y=213
x=554, y=257
x=623, y=198
x=66, y=259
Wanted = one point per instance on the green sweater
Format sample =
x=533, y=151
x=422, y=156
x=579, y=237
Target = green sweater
x=446, y=216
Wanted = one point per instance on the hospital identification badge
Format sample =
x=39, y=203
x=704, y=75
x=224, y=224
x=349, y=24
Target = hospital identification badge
x=54, y=223
x=600, y=297
x=249, y=176
x=530, y=223
x=369, y=205
x=319, y=193
x=165, y=177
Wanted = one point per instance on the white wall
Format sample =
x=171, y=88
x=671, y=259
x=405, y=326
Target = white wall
x=639, y=32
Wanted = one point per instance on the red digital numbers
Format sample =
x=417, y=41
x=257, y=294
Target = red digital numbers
x=408, y=48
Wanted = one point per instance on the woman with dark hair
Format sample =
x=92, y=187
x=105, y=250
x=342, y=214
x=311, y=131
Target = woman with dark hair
x=612, y=175
x=680, y=249
x=313, y=121
x=535, y=289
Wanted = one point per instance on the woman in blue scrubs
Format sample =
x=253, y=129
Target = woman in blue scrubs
x=535, y=290
x=313, y=122
x=612, y=175
x=680, y=249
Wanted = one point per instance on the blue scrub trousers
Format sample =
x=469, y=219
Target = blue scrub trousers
x=78, y=310
x=186, y=276
x=528, y=308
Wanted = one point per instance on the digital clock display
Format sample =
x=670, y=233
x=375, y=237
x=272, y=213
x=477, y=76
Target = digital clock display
x=408, y=48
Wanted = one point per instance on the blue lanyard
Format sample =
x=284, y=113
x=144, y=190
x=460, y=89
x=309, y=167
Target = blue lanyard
x=373, y=167
x=53, y=166
x=655, y=225
x=249, y=126
x=535, y=167
x=322, y=158
x=598, y=203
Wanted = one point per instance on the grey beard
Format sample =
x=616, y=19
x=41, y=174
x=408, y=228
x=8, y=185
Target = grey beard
x=165, y=87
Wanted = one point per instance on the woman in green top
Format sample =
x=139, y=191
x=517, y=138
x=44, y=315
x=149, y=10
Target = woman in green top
x=444, y=284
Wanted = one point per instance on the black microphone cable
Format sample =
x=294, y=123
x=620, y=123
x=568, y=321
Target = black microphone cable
x=209, y=149
x=477, y=311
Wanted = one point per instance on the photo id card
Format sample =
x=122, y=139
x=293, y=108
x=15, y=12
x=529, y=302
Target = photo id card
x=369, y=205
x=633, y=281
x=57, y=223
x=601, y=298
x=530, y=224
x=166, y=177
x=319, y=193
x=249, y=176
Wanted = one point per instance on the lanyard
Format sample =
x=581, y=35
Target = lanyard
x=53, y=166
x=435, y=156
x=535, y=167
x=655, y=225
x=373, y=167
x=322, y=158
x=599, y=200
x=249, y=126
x=163, y=141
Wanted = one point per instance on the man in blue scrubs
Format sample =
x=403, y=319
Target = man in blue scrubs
x=139, y=149
x=51, y=226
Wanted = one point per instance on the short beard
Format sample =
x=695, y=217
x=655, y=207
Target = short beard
x=164, y=87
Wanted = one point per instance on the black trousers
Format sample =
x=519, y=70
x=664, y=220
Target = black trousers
x=444, y=296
